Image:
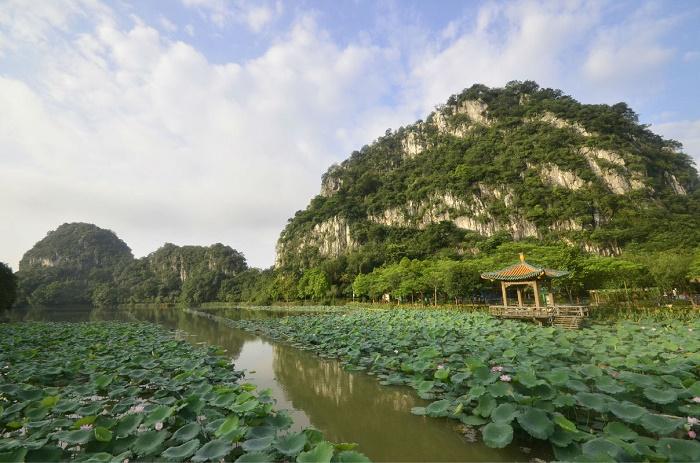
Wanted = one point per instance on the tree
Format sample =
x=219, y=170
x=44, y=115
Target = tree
x=313, y=284
x=8, y=287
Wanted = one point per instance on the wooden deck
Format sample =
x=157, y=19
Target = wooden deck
x=564, y=316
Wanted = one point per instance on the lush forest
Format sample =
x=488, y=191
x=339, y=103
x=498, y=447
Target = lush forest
x=8, y=287
x=421, y=211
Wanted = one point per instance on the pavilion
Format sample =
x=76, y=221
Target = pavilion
x=525, y=274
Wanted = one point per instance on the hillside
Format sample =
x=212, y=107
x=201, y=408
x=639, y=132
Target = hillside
x=66, y=265
x=500, y=164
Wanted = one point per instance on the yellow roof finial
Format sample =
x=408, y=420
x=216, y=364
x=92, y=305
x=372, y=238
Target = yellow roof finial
x=522, y=257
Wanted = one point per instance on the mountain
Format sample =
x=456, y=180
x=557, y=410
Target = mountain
x=66, y=265
x=500, y=164
x=81, y=263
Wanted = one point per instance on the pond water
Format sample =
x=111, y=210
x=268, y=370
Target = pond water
x=346, y=406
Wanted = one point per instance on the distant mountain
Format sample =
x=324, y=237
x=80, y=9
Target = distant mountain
x=80, y=263
x=513, y=163
x=66, y=265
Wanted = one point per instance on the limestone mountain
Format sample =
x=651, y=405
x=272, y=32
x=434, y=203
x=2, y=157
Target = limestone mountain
x=513, y=163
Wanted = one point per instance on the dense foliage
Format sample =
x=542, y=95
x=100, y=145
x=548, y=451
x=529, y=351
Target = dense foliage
x=8, y=287
x=68, y=264
x=627, y=391
x=495, y=168
x=121, y=391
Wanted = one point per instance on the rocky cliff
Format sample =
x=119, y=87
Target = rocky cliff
x=520, y=161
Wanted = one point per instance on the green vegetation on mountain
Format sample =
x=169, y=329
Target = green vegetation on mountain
x=420, y=212
x=8, y=287
x=68, y=264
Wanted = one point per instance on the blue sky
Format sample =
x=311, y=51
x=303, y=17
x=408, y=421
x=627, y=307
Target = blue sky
x=201, y=121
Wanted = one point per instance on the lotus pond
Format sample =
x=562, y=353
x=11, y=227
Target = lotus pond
x=625, y=391
x=113, y=391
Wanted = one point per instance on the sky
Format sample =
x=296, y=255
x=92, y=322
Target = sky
x=204, y=121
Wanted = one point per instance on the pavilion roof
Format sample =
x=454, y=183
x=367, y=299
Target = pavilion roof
x=523, y=271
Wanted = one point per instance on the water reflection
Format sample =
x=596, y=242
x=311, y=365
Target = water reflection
x=346, y=406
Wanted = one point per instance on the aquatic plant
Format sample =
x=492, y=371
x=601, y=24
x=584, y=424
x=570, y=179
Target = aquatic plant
x=108, y=391
x=625, y=391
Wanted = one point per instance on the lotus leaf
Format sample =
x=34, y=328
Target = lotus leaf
x=679, y=449
x=181, y=452
x=660, y=425
x=257, y=445
x=627, y=411
x=536, y=423
x=187, y=432
x=504, y=413
x=497, y=435
x=349, y=456
x=660, y=396
x=212, y=451
x=321, y=453
x=148, y=443
x=292, y=444
x=594, y=401
x=619, y=430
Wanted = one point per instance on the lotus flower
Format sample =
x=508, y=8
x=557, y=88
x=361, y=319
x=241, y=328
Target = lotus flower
x=159, y=426
x=505, y=378
x=62, y=444
x=696, y=400
x=692, y=434
x=440, y=367
x=693, y=421
x=497, y=368
x=86, y=427
x=396, y=351
x=136, y=409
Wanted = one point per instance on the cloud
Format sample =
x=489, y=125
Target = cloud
x=221, y=12
x=687, y=131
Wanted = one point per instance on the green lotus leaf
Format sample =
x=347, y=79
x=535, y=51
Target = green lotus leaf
x=564, y=400
x=103, y=381
x=557, y=377
x=281, y=420
x=420, y=411
x=598, y=447
x=472, y=420
x=694, y=389
x=527, y=379
x=561, y=421
x=608, y=384
x=636, y=379
x=158, y=414
x=350, y=456
x=627, y=411
x=660, y=396
x=576, y=385
x=425, y=386
x=292, y=444
x=212, y=451
x=321, y=453
x=592, y=400
x=500, y=389
x=442, y=374
x=103, y=434
x=257, y=445
x=483, y=374
x=254, y=458
x=148, y=443
x=181, y=452
x=497, y=435
x=81, y=436
x=591, y=371
x=13, y=456
x=438, y=408
x=536, y=423
x=228, y=426
x=128, y=424
x=187, y=432
x=504, y=413
x=458, y=378
x=45, y=453
x=619, y=430
x=485, y=406
x=661, y=425
x=679, y=449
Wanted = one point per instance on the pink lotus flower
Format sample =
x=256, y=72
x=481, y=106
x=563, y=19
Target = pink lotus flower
x=696, y=400
x=440, y=367
x=496, y=368
x=693, y=421
x=692, y=434
x=506, y=378
x=159, y=426
x=86, y=427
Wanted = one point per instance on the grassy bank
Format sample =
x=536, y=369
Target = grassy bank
x=107, y=391
x=622, y=391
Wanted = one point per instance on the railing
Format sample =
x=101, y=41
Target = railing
x=512, y=311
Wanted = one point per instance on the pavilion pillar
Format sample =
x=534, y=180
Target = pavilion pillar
x=537, y=293
x=520, y=296
x=505, y=295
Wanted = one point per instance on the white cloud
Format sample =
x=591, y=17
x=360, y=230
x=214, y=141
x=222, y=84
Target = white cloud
x=189, y=28
x=687, y=132
x=220, y=12
x=166, y=24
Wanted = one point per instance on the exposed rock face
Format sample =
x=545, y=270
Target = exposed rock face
x=468, y=214
x=553, y=175
x=675, y=184
x=412, y=145
x=330, y=182
x=615, y=174
x=332, y=238
x=559, y=123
